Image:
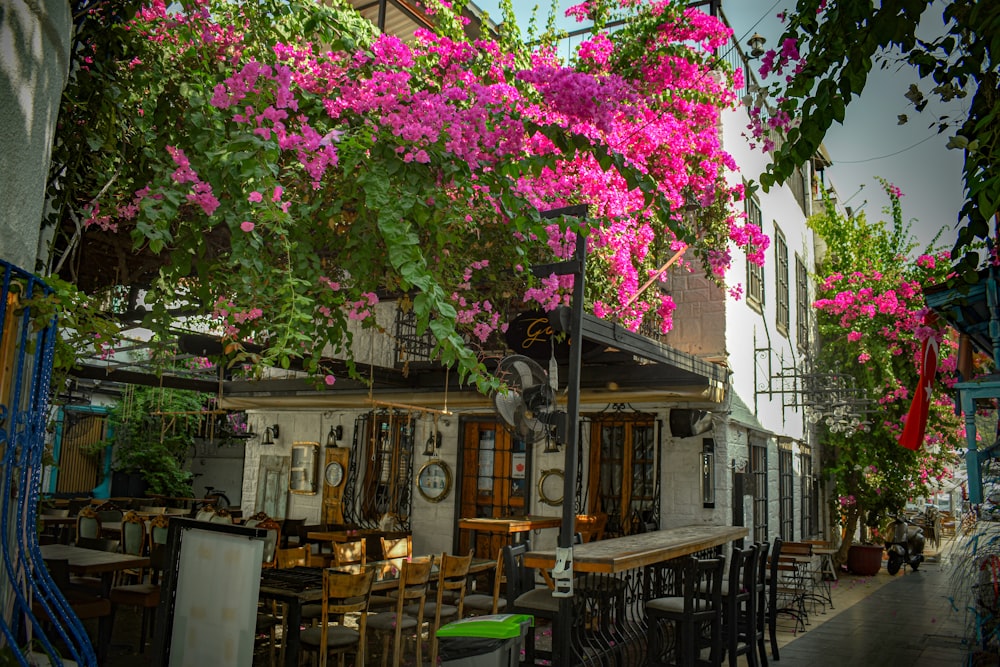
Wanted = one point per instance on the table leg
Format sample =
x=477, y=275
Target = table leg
x=104, y=623
x=293, y=620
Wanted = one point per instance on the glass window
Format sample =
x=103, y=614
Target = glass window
x=623, y=479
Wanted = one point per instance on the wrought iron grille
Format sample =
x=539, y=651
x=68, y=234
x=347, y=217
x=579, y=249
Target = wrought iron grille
x=409, y=345
x=758, y=476
x=786, y=492
x=380, y=473
x=26, y=354
x=810, y=504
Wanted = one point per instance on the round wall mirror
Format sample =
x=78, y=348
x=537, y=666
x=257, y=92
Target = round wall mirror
x=550, y=487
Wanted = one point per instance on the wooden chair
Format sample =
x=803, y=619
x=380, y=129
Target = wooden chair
x=343, y=593
x=412, y=589
x=481, y=603
x=523, y=597
x=86, y=603
x=695, y=601
x=591, y=526
x=292, y=557
x=88, y=525
x=110, y=512
x=348, y=553
x=145, y=595
x=762, y=564
x=292, y=528
x=397, y=547
x=133, y=541
x=739, y=606
x=453, y=575
x=159, y=527
x=271, y=542
x=773, y=577
x=221, y=515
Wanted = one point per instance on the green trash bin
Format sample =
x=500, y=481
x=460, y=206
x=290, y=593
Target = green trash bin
x=484, y=641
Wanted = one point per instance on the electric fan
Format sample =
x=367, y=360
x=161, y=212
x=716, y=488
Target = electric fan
x=527, y=406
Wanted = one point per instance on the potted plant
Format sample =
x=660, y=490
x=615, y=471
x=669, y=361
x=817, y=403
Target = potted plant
x=151, y=433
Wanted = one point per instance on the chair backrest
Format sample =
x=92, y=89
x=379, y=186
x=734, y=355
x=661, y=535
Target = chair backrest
x=110, y=512
x=349, y=553
x=345, y=593
x=293, y=528
x=295, y=556
x=772, y=582
x=519, y=578
x=221, y=515
x=205, y=513
x=271, y=542
x=453, y=576
x=397, y=547
x=133, y=534
x=591, y=526
x=703, y=585
x=413, y=579
x=88, y=525
x=796, y=549
x=159, y=527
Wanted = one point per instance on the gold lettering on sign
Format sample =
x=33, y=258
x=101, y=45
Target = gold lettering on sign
x=539, y=330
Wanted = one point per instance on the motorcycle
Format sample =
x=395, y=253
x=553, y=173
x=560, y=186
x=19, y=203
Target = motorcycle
x=906, y=546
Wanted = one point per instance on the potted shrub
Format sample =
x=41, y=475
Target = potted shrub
x=151, y=433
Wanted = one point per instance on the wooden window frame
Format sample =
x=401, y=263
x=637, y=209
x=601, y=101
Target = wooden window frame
x=756, y=294
x=782, y=298
x=801, y=304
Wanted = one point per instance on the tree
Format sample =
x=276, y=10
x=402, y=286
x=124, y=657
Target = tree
x=275, y=168
x=825, y=55
x=870, y=312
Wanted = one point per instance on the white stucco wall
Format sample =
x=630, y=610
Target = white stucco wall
x=34, y=61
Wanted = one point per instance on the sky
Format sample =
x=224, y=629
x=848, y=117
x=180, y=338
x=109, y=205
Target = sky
x=870, y=142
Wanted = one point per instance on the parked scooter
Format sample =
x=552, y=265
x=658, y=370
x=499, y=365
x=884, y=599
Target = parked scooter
x=907, y=545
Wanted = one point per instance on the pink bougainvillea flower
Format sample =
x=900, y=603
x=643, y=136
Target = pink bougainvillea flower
x=247, y=226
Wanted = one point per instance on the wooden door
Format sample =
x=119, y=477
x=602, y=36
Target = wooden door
x=272, y=486
x=494, y=480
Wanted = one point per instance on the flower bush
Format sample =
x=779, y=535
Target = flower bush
x=870, y=312
x=278, y=168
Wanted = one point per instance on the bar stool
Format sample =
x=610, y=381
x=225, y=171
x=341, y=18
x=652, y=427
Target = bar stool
x=763, y=549
x=697, y=602
x=739, y=601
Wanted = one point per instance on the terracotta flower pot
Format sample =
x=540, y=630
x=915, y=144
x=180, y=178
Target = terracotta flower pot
x=864, y=559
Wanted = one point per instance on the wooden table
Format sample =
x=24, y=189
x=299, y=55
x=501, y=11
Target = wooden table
x=516, y=527
x=633, y=551
x=90, y=562
x=609, y=599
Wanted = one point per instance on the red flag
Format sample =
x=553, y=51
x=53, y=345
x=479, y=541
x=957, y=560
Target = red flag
x=916, y=419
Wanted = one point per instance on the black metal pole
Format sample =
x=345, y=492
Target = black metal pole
x=564, y=622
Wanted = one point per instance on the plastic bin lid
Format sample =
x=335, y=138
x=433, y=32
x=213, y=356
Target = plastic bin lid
x=496, y=626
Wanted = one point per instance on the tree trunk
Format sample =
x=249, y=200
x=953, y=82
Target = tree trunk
x=847, y=538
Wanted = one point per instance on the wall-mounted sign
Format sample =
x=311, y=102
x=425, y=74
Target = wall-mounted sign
x=531, y=334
